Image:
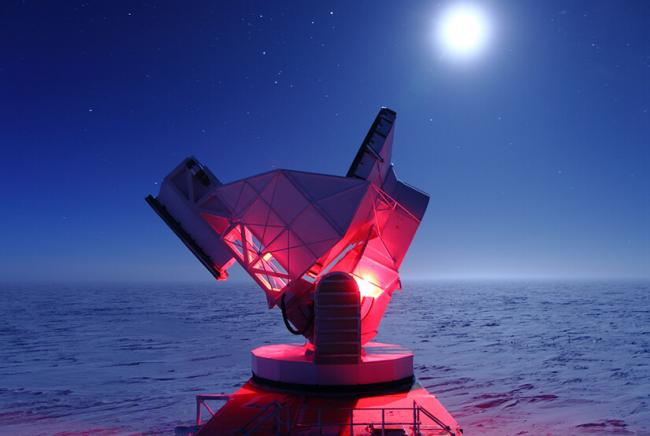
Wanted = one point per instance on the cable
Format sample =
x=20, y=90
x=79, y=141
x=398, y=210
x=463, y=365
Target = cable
x=288, y=325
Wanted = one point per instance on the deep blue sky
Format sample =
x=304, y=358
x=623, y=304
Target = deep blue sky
x=535, y=155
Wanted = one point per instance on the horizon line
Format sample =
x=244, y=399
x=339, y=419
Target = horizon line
x=240, y=281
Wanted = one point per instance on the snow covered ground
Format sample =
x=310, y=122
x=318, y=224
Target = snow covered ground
x=504, y=357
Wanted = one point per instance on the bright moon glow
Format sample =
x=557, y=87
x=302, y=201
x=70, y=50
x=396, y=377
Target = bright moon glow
x=463, y=31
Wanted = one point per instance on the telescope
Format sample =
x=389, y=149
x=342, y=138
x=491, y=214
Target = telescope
x=325, y=249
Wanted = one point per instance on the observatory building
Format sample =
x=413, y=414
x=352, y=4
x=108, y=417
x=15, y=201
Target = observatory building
x=326, y=250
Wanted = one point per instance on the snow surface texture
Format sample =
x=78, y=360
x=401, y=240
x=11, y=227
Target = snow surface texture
x=505, y=358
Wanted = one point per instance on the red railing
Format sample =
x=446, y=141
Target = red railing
x=279, y=416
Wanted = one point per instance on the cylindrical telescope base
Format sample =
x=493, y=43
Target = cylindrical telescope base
x=290, y=364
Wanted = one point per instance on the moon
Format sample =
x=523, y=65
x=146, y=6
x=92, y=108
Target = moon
x=463, y=31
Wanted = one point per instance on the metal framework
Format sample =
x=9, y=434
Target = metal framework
x=288, y=228
x=202, y=403
x=379, y=419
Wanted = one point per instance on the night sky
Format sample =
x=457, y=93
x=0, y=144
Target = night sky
x=535, y=153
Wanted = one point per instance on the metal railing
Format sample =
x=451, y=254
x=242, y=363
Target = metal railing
x=382, y=423
x=202, y=402
x=282, y=422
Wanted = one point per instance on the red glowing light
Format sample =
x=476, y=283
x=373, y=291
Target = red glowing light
x=367, y=288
